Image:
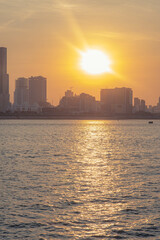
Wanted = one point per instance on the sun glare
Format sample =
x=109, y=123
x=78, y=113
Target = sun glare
x=95, y=62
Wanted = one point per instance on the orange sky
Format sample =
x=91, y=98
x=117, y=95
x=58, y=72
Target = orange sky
x=42, y=38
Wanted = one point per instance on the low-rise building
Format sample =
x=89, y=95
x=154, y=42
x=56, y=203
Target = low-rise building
x=83, y=103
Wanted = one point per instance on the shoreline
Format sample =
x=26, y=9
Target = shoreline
x=76, y=117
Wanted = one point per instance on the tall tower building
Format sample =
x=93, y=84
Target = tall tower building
x=137, y=104
x=21, y=94
x=143, y=105
x=37, y=90
x=4, y=81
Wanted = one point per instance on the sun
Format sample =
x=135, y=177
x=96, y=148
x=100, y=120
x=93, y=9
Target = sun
x=95, y=62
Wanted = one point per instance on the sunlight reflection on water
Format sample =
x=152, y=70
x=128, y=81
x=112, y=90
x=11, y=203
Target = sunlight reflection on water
x=80, y=179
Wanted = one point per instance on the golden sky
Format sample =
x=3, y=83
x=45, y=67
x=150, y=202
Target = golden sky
x=43, y=36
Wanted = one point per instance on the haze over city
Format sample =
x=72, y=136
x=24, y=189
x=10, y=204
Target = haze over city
x=46, y=38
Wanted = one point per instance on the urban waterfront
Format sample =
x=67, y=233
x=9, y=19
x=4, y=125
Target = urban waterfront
x=80, y=179
x=30, y=97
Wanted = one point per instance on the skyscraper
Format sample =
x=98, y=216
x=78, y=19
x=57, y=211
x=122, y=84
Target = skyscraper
x=142, y=105
x=37, y=90
x=21, y=94
x=137, y=103
x=4, y=81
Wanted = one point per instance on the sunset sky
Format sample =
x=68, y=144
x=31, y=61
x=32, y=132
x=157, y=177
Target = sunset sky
x=44, y=37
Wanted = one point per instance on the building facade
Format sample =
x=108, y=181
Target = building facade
x=37, y=90
x=21, y=94
x=30, y=94
x=158, y=104
x=83, y=103
x=143, y=105
x=116, y=101
x=4, y=81
x=140, y=105
x=137, y=104
x=87, y=103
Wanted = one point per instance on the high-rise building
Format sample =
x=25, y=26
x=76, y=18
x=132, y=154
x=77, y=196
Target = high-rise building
x=4, y=81
x=30, y=93
x=37, y=90
x=143, y=105
x=117, y=100
x=21, y=94
x=137, y=103
x=87, y=103
x=156, y=109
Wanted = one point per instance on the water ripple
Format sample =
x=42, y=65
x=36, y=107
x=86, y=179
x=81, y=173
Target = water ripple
x=79, y=180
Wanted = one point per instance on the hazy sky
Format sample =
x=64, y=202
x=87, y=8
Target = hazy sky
x=43, y=36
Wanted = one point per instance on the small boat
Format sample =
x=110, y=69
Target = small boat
x=150, y=122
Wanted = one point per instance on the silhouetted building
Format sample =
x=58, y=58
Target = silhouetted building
x=30, y=94
x=143, y=105
x=68, y=93
x=137, y=103
x=150, y=109
x=69, y=103
x=116, y=101
x=37, y=90
x=156, y=109
x=21, y=94
x=83, y=103
x=4, y=81
x=87, y=103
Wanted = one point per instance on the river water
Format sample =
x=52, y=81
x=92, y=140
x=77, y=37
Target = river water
x=79, y=179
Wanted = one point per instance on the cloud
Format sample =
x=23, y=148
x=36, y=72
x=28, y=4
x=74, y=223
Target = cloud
x=129, y=36
x=119, y=15
x=12, y=11
x=5, y=25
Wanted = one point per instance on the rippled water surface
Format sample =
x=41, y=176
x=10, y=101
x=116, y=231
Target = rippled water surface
x=64, y=179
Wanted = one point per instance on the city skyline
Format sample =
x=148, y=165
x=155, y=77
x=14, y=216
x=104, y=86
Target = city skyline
x=12, y=100
x=44, y=38
x=31, y=93
x=25, y=93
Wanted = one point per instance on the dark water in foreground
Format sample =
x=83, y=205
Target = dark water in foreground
x=79, y=179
